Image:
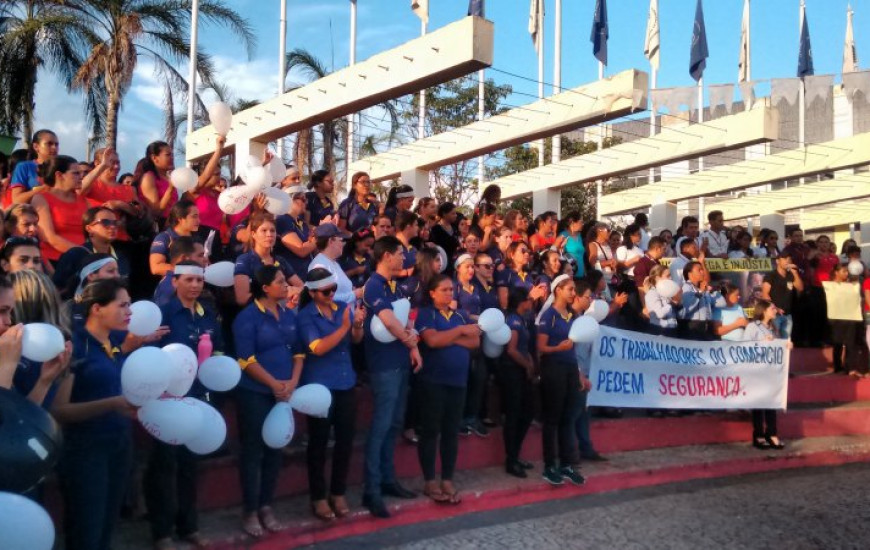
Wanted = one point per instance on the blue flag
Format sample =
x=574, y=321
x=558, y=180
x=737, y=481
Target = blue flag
x=699, y=53
x=475, y=7
x=805, y=55
x=599, y=31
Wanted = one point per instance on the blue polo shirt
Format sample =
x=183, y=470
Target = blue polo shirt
x=97, y=373
x=356, y=215
x=271, y=342
x=185, y=327
x=496, y=254
x=509, y=278
x=164, y=292
x=352, y=262
x=556, y=328
x=285, y=224
x=378, y=295
x=25, y=175
x=25, y=379
x=488, y=294
x=447, y=365
x=162, y=242
x=518, y=324
x=409, y=285
x=318, y=208
x=249, y=262
x=468, y=300
x=334, y=370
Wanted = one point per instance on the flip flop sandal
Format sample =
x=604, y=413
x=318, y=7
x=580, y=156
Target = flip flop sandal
x=437, y=496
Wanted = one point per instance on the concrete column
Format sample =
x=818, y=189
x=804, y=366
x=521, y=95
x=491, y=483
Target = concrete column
x=776, y=222
x=546, y=199
x=246, y=149
x=662, y=215
x=844, y=114
x=864, y=242
x=419, y=180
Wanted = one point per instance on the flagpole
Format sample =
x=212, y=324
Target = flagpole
x=557, y=75
x=191, y=77
x=541, y=74
x=599, y=185
x=351, y=130
x=282, y=64
x=481, y=109
x=801, y=94
x=652, y=115
x=700, y=121
x=421, y=123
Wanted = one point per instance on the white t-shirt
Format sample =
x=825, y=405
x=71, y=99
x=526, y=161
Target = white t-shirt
x=344, y=291
x=717, y=243
x=624, y=254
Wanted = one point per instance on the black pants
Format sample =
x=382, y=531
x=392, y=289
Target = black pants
x=517, y=402
x=477, y=378
x=342, y=414
x=170, y=490
x=259, y=465
x=763, y=423
x=560, y=389
x=440, y=415
x=849, y=336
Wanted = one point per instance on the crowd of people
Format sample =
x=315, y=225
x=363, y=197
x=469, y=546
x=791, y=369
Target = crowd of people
x=82, y=241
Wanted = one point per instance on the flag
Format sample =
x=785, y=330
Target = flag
x=651, y=44
x=744, y=69
x=699, y=53
x=850, y=55
x=536, y=21
x=421, y=9
x=805, y=55
x=475, y=7
x=599, y=31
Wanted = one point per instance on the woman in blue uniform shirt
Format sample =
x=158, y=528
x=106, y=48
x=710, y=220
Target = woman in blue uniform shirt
x=560, y=382
x=357, y=257
x=517, y=371
x=516, y=274
x=97, y=420
x=171, y=475
x=267, y=346
x=447, y=337
x=326, y=329
x=263, y=235
x=356, y=212
x=296, y=240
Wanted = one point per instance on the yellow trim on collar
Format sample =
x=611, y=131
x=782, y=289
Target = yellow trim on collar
x=446, y=314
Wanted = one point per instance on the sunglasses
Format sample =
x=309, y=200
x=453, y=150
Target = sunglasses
x=485, y=266
x=327, y=291
x=20, y=241
x=106, y=223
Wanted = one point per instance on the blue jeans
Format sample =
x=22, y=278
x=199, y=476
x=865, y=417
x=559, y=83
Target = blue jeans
x=581, y=426
x=390, y=389
x=259, y=465
x=94, y=471
x=783, y=325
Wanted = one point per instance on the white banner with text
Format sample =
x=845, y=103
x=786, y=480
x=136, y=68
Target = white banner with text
x=633, y=369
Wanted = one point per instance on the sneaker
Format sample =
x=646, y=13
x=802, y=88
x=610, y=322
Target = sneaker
x=479, y=429
x=465, y=429
x=572, y=475
x=552, y=476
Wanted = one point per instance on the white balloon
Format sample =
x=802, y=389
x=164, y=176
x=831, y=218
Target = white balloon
x=856, y=268
x=220, y=274
x=145, y=375
x=279, y=426
x=402, y=309
x=145, y=318
x=220, y=373
x=443, y=256
x=380, y=332
x=235, y=199
x=667, y=288
x=184, y=367
x=211, y=433
x=184, y=179
x=257, y=178
x=171, y=420
x=277, y=201
x=584, y=330
x=277, y=170
x=24, y=524
x=491, y=349
x=221, y=117
x=500, y=336
x=41, y=342
x=312, y=399
x=598, y=310
x=490, y=319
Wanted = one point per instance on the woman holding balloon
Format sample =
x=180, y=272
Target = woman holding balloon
x=267, y=344
x=171, y=474
x=326, y=329
x=97, y=420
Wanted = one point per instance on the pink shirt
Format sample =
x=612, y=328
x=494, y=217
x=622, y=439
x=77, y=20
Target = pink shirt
x=162, y=185
x=210, y=214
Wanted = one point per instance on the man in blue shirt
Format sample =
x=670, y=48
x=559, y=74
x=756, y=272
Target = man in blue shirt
x=390, y=367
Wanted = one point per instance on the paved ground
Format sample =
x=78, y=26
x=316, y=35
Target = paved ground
x=819, y=508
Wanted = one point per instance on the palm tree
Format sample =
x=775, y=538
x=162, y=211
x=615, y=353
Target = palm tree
x=128, y=29
x=35, y=34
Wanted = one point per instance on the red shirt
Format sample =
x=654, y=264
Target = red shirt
x=827, y=262
x=67, y=220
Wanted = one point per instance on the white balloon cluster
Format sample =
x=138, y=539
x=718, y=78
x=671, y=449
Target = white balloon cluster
x=401, y=309
x=496, y=333
x=258, y=179
x=279, y=427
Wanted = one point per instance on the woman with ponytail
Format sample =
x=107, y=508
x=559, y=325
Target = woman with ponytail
x=152, y=178
x=399, y=199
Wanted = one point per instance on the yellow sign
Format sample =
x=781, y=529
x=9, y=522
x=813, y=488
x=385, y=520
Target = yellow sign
x=720, y=265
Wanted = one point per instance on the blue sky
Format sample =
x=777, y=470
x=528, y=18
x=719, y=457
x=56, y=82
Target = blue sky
x=323, y=27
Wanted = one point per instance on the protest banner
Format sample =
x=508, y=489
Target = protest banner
x=633, y=369
x=747, y=274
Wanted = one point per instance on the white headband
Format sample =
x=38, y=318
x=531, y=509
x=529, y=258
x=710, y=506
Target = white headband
x=189, y=270
x=295, y=190
x=405, y=195
x=90, y=269
x=552, y=297
x=322, y=283
x=462, y=258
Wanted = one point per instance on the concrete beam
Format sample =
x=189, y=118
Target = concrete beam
x=442, y=55
x=795, y=163
x=841, y=188
x=671, y=145
x=835, y=215
x=593, y=103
